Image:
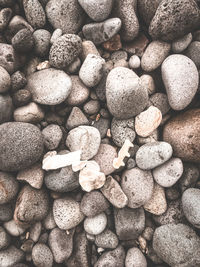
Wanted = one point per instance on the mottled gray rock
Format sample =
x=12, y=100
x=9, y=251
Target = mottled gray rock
x=52, y=136
x=193, y=51
x=76, y=118
x=5, y=81
x=18, y=80
x=35, y=232
x=21, y=97
x=5, y=16
x=6, y=212
x=9, y=187
x=160, y=101
x=31, y=113
x=11, y=256
x=4, y=238
x=179, y=45
x=91, y=107
x=57, y=33
x=42, y=255
x=6, y=108
x=41, y=42
x=49, y=222
x=14, y=228
x=189, y=177
x=135, y=258
x=102, y=125
x=147, y=9
x=107, y=239
x=95, y=225
x=23, y=41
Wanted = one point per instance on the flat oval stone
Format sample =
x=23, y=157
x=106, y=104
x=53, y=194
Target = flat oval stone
x=42, y=85
x=181, y=79
x=95, y=225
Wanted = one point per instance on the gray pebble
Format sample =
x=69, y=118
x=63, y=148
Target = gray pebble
x=18, y=80
x=149, y=139
x=23, y=41
x=35, y=231
x=118, y=55
x=153, y=154
x=102, y=125
x=179, y=45
x=42, y=42
x=31, y=113
x=49, y=222
x=4, y=238
x=9, y=187
x=134, y=62
x=135, y=258
x=91, y=107
x=42, y=256
x=11, y=256
x=107, y=239
x=88, y=48
x=95, y=225
x=130, y=164
x=76, y=118
x=74, y=67
x=5, y=16
x=14, y=228
x=193, y=52
x=5, y=81
x=21, y=97
x=6, y=108
x=52, y=136
x=6, y=212
x=172, y=193
x=57, y=33
x=160, y=101
x=189, y=177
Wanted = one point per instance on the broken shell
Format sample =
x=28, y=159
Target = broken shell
x=122, y=154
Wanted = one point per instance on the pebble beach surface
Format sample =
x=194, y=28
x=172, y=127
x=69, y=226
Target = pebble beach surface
x=99, y=133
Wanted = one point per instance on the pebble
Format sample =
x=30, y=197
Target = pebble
x=138, y=187
x=135, y=258
x=61, y=244
x=160, y=101
x=6, y=212
x=107, y=239
x=34, y=13
x=65, y=50
x=95, y=225
x=18, y=80
x=112, y=258
x=14, y=228
x=74, y=67
x=93, y=203
x=180, y=77
x=31, y=113
x=113, y=44
x=126, y=11
x=182, y=133
x=41, y=42
x=152, y=155
x=189, y=177
x=42, y=255
x=177, y=245
x=57, y=33
x=5, y=81
x=21, y=97
x=76, y=118
x=21, y=140
x=49, y=222
x=88, y=47
x=23, y=41
x=180, y=44
x=193, y=52
x=114, y=193
x=5, y=16
x=130, y=164
x=172, y=193
x=147, y=121
x=42, y=85
x=134, y=62
x=149, y=139
x=52, y=136
x=31, y=205
x=118, y=55
x=129, y=223
x=65, y=15
x=97, y=11
x=168, y=173
x=35, y=231
x=102, y=125
x=155, y=53
x=190, y=200
x=33, y=175
x=157, y=204
x=167, y=23
x=99, y=32
x=148, y=82
x=5, y=239
x=67, y=213
x=6, y=108
x=137, y=46
x=9, y=187
x=84, y=138
x=11, y=256
x=147, y=9
x=91, y=107
x=132, y=91
x=91, y=70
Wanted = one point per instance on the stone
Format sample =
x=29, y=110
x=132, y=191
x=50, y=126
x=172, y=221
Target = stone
x=91, y=107
x=5, y=16
x=6, y=108
x=18, y=80
x=65, y=15
x=149, y=139
x=14, y=228
x=35, y=231
x=41, y=42
x=52, y=136
x=148, y=82
x=64, y=50
x=32, y=205
x=179, y=17
x=102, y=125
x=23, y=41
x=177, y=245
x=134, y=98
x=84, y=138
x=34, y=13
x=42, y=255
x=147, y=10
x=157, y=204
x=118, y=55
x=49, y=222
x=8, y=187
x=180, y=44
x=190, y=200
x=42, y=86
x=5, y=238
x=76, y=118
x=93, y=203
x=135, y=258
x=189, y=177
x=155, y=53
x=95, y=225
x=74, y=67
x=129, y=223
x=138, y=187
x=31, y=113
x=180, y=77
x=193, y=52
x=21, y=140
x=88, y=48
x=99, y=32
x=67, y=213
x=6, y=212
x=160, y=101
x=107, y=239
x=182, y=133
x=114, y=44
x=168, y=173
x=11, y=256
x=134, y=62
x=22, y=97
x=152, y=155
x=5, y=81
x=137, y=46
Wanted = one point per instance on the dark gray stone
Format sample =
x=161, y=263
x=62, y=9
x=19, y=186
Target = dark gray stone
x=6, y=108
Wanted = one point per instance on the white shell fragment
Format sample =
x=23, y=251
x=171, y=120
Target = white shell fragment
x=118, y=162
x=43, y=65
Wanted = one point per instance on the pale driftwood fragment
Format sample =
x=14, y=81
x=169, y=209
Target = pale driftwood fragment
x=122, y=154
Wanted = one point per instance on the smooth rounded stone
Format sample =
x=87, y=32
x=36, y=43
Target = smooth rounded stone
x=182, y=133
x=126, y=11
x=18, y=80
x=65, y=50
x=190, y=200
x=134, y=62
x=93, y=203
x=125, y=100
x=74, y=67
x=41, y=42
x=5, y=16
x=21, y=140
x=52, y=136
x=61, y=244
x=105, y=157
x=34, y=13
x=6, y=108
x=30, y=113
x=130, y=164
x=149, y=139
x=91, y=107
x=160, y=101
x=193, y=52
x=88, y=48
x=5, y=81
x=23, y=41
x=76, y=118
x=121, y=63
x=4, y=238
x=147, y=9
x=95, y=225
x=6, y=212
x=107, y=239
x=35, y=231
x=49, y=222
x=91, y=70
x=172, y=193
x=129, y=223
x=102, y=125
x=135, y=258
x=13, y=228
x=79, y=92
x=9, y=187
x=42, y=255
x=148, y=82
x=173, y=19
x=57, y=33
x=138, y=187
x=189, y=177
x=114, y=257
x=84, y=138
x=42, y=85
x=179, y=45
x=21, y=97
x=177, y=245
x=168, y=173
x=31, y=205
x=66, y=15
x=155, y=53
x=152, y=155
x=11, y=256
x=180, y=77
x=157, y=204
x=67, y=213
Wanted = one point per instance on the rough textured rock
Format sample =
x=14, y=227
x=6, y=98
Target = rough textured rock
x=11, y=256
x=147, y=9
x=42, y=255
x=179, y=45
x=107, y=239
x=135, y=258
x=8, y=187
x=6, y=108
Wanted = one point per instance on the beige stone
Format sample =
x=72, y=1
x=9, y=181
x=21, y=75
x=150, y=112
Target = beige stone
x=31, y=113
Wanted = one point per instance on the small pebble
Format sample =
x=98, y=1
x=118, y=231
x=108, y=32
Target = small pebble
x=41, y=42
x=95, y=225
x=14, y=229
x=76, y=118
x=193, y=52
x=5, y=238
x=160, y=101
x=179, y=45
x=52, y=136
x=9, y=187
x=11, y=256
x=31, y=113
x=23, y=41
x=134, y=62
x=6, y=108
x=5, y=81
x=135, y=258
x=107, y=239
x=18, y=80
x=42, y=255
x=21, y=97
x=189, y=177
x=91, y=107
